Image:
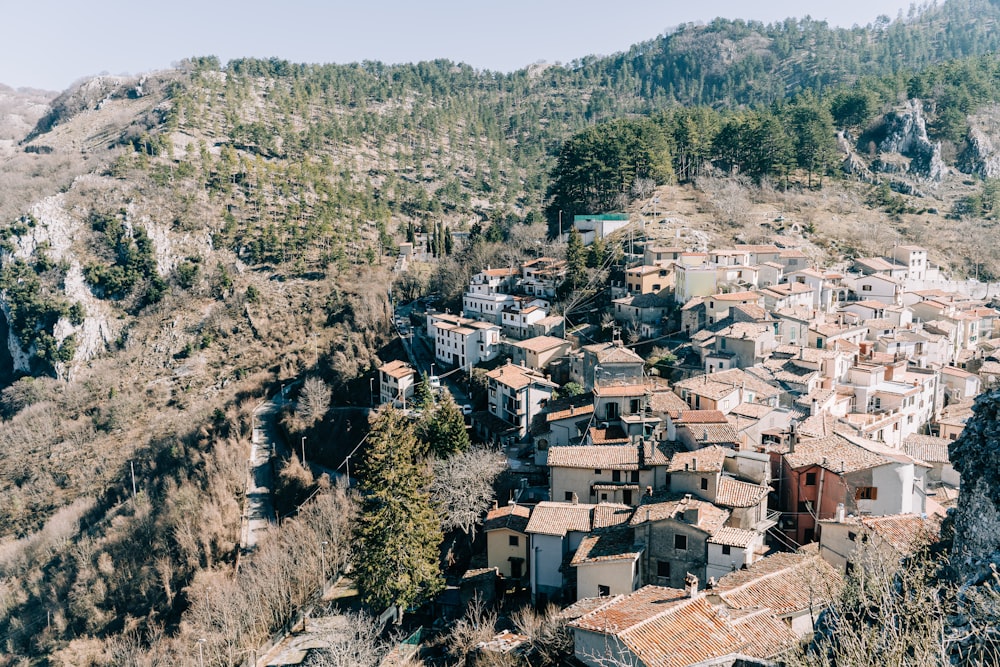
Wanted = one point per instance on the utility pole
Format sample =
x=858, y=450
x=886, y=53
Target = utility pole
x=560, y=225
x=303, y=451
x=131, y=465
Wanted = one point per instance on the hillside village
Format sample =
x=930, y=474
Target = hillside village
x=709, y=509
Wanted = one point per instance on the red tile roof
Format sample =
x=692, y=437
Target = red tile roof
x=784, y=582
x=706, y=459
x=734, y=493
x=511, y=517
x=603, y=457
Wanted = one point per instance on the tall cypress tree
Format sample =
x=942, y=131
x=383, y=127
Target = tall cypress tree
x=398, y=535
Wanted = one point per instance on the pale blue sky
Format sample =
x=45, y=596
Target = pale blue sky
x=51, y=43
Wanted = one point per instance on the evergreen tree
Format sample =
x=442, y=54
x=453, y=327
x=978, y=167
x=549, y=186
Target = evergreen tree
x=811, y=128
x=442, y=430
x=423, y=397
x=398, y=539
x=576, y=258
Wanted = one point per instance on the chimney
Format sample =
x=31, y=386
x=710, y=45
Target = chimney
x=815, y=407
x=704, y=435
x=793, y=437
x=649, y=491
x=840, y=513
x=495, y=505
x=691, y=585
x=575, y=499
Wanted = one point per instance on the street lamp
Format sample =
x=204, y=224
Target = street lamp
x=303, y=451
x=201, y=653
x=322, y=564
x=371, y=387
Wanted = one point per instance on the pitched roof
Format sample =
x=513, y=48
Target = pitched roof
x=397, y=369
x=612, y=435
x=734, y=493
x=616, y=543
x=518, y=377
x=903, y=532
x=668, y=402
x=607, y=353
x=510, y=516
x=709, y=434
x=707, y=459
x=926, y=448
x=664, y=627
x=598, y=457
x=572, y=411
x=661, y=508
x=835, y=453
x=783, y=582
x=734, y=537
x=540, y=343
x=550, y=518
x=701, y=417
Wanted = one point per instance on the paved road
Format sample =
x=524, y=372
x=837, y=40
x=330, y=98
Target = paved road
x=259, y=509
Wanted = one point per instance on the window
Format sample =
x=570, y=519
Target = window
x=597, y=471
x=726, y=550
x=603, y=591
x=663, y=568
x=513, y=540
x=866, y=288
x=568, y=496
x=604, y=497
x=852, y=536
x=616, y=475
x=681, y=542
x=810, y=479
x=704, y=483
x=722, y=343
x=808, y=535
x=803, y=507
x=635, y=476
x=866, y=493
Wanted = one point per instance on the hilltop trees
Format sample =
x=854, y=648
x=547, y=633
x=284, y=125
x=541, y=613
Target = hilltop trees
x=598, y=166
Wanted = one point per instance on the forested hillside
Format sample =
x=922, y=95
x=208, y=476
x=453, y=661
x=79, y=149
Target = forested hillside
x=177, y=246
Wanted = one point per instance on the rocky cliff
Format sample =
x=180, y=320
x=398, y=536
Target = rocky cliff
x=976, y=456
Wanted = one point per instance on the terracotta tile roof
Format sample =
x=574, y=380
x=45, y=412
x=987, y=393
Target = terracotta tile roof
x=744, y=330
x=500, y=273
x=785, y=583
x=572, y=411
x=739, y=377
x=734, y=493
x=613, y=435
x=619, y=390
x=701, y=417
x=512, y=517
x=835, y=453
x=617, y=543
x=707, y=459
x=397, y=369
x=624, y=611
x=518, y=377
x=711, y=434
x=658, y=453
x=540, y=343
x=661, y=508
x=903, y=532
x=767, y=636
x=926, y=448
x=753, y=311
x=734, y=537
x=751, y=410
x=668, y=402
x=550, y=518
x=736, y=296
x=758, y=249
x=603, y=457
x=704, y=386
x=611, y=353
x=611, y=514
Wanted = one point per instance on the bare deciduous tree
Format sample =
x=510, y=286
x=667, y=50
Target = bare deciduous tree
x=463, y=486
x=315, y=399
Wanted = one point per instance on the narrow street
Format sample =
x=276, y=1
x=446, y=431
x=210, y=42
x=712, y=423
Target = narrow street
x=259, y=508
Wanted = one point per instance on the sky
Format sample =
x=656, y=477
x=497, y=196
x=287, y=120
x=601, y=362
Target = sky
x=49, y=44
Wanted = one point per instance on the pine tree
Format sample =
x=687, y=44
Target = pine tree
x=576, y=258
x=399, y=534
x=443, y=429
